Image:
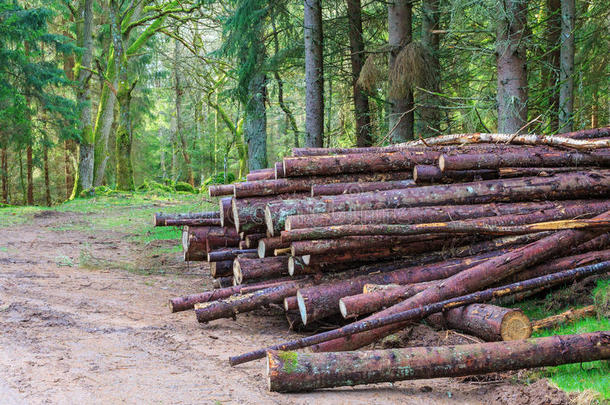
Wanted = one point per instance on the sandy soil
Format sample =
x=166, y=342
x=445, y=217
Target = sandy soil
x=72, y=334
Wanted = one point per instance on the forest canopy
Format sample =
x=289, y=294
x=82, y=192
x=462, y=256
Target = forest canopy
x=177, y=95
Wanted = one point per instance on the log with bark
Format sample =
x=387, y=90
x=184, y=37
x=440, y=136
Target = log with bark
x=249, y=213
x=220, y=190
x=261, y=174
x=252, y=240
x=160, y=218
x=326, y=246
x=295, y=372
x=194, y=242
x=229, y=254
x=247, y=269
x=267, y=246
x=193, y=222
x=222, y=269
x=427, y=174
x=523, y=159
x=568, y=316
x=278, y=170
x=218, y=238
x=358, y=187
x=475, y=278
x=418, y=313
x=588, y=133
x=226, y=211
x=223, y=282
x=573, y=185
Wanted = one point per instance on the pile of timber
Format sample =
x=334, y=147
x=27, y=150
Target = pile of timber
x=438, y=230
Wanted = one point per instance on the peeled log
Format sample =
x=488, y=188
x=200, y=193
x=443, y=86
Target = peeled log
x=304, y=184
x=222, y=269
x=568, y=316
x=475, y=278
x=357, y=163
x=294, y=372
x=246, y=269
x=523, y=159
x=489, y=322
x=159, y=218
x=561, y=186
x=423, y=214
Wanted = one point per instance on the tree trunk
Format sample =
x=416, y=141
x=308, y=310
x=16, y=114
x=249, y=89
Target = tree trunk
x=103, y=126
x=84, y=178
x=511, y=65
x=30, y=169
x=566, y=71
x=361, y=100
x=255, y=122
x=246, y=269
x=551, y=71
x=400, y=34
x=4, y=174
x=47, y=182
x=359, y=187
x=69, y=156
x=314, y=74
x=429, y=112
x=293, y=372
x=179, y=91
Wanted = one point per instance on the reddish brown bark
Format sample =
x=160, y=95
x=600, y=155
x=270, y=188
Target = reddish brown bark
x=221, y=238
x=261, y=174
x=355, y=243
x=568, y=316
x=358, y=187
x=221, y=189
x=252, y=240
x=229, y=254
x=424, y=174
x=278, y=170
x=589, y=133
x=267, y=246
x=226, y=211
x=222, y=269
x=247, y=269
x=475, y=278
x=292, y=372
x=159, y=218
x=523, y=159
x=561, y=186
x=249, y=213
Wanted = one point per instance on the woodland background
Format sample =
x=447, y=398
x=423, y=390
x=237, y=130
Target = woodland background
x=141, y=94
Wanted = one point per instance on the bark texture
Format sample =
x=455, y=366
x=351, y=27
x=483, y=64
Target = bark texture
x=314, y=74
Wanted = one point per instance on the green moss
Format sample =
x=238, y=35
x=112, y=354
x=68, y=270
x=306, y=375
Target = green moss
x=290, y=361
x=185, y=187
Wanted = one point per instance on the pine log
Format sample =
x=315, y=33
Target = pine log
x=252, y=240
x=222, y=269
x=561, y=186
x=373, y=288
x=326, y=246
x=423, y=214
x=247, y=269
x=426, y=174
x=228, y=254
x=568, y=316
x=525, y=139
x=159, y=218
x=261, y=174
x=488, y=322
x=304, y=184
x=475, y=278
x=359, y=187
x=280, y=252
x=194, y=242
x=295, y=372
x=522, y=159
x=220, y=190
x=357, y=163
x=210, y=311
x=218, y=238
x=545, y=220
x=193, y=222
x=267, y=246
x=226, y=212
x=249, y=213
x=242, y=244
x=588, y=133
x=290, y=304
x=418, y=313
x=506, y=172
x=278, y=170
x=223, y=282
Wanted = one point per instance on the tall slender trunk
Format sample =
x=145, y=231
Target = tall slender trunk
x=511, y=65
x=429, y=112
x=179, y=130
x=84, y=178
x=551, y=71
x=103, y=126
x=361, y=101
x=30, y=169
x=4, y=173
x=401, y=116
x=255, y=125
x=566, y=71
x=47, y=182
x=314, y=74
x=69, y=153
x=21, y=181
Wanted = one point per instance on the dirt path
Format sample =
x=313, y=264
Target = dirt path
x=70, y=334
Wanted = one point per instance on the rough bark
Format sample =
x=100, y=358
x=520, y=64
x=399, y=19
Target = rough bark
x=592, y=133
x=551, y=71
x=428, y=174
x=566, y=66
x=561, y=186
x=47, y=183
x=4, y=174
x=511, y=65
x=515, y=159
x=354, y=243
x=222, y=269
x=252, y=240
x=361, y=101
x=221, y=189
x=193, y=222
x=428, y=112
x=245, y=269
x=278, y=170
x=474, y=279
x=30, y=170
x=226, y=211
x=178, y=93
x=294, y=372
x=159, y=218
x=568, y=316
x=267, y=246
x=229, y=254
x=400, y=34
x=359, y=187
x=314, y=74
x=249, y=213
x=261, y=174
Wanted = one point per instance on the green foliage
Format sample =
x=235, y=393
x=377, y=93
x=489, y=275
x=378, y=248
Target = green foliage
x=185, y=187
x=220, y=178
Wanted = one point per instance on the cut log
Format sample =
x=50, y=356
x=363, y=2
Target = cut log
x=247, y=269
x=267, y=246
x=193, y=222
x=522, y=159
x=278, y=170
x=561, y=186
x=525, y=139
x=423, y=214
x=505, y=172
x=160, y=218
x=261, y=174
x=418, y=313
x=327, y=246
x=475, y=278
x=359, y=187
x=249, y=213
x=222, y=269
x=426, y=174
x=194, y=242
x=220, y=190
x=358, y=163
x=252, y=240
x=290, y=304
x=295, y=372
x=218, y=238
x=588, y=133
x=229, y=254
x=488, y=322
x=223, y=282
x=226, y=212
x=568, y=316
x=304, y=184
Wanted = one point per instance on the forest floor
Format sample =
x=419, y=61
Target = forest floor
x=84, y=319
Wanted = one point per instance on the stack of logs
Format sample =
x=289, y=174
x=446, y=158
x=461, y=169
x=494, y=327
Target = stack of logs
x=440, y=229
